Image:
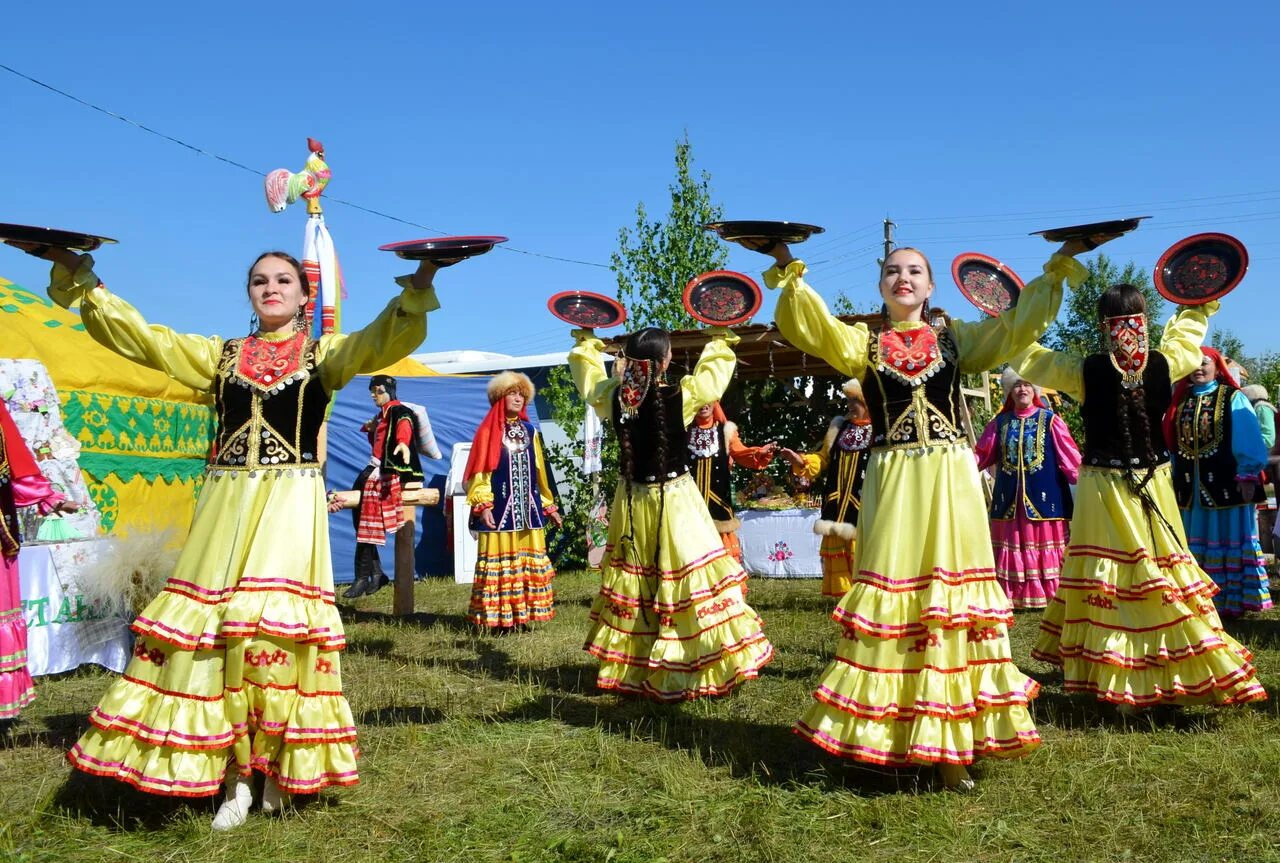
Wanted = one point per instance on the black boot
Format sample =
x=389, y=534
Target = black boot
x=358, y=588
x=380, y=581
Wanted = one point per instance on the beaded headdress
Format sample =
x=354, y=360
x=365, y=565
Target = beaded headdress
x=637, y=377
x=1128, y=347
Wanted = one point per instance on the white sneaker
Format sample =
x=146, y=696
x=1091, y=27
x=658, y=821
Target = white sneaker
x=234, y=811
x=273, y=799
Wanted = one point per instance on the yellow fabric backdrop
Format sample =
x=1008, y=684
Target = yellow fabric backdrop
x=143, y=436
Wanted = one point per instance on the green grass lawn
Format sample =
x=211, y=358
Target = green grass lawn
x=485, y=748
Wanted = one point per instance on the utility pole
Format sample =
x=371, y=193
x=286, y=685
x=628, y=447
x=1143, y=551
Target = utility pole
x=888, y=240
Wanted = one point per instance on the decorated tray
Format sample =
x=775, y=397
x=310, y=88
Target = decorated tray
x=1093, y=229
x=1201, y=268
x=761, y=231
x=722, y=297
x=985, y=282
x=443, y=251
x=585, y=309
x=53, y=237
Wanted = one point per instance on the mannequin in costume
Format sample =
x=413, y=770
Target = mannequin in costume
x=511, y=501
x=671, y=621
x=21, y=484
x=923, y=673
x=842, y=458
x=236, y=663
x=714, y=447
x=1035, y=460
x=1218, y=457
x=1133, y=622
x=393, y=437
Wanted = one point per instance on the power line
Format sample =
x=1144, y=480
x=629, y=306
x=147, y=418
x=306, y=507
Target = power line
x=201, y=151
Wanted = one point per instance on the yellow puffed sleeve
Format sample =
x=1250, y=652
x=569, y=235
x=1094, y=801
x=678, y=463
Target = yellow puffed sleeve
x=391, y=336
x=586, y=365
x=814, y=464
x=480, y=489
x=804, y=320
x=1183, y=336
x=1053, y=369
x=116, y=325
x=986, y=344
x=540, y=464
x=712, y=373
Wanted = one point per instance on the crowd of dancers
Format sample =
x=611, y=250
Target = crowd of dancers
x=236, y=665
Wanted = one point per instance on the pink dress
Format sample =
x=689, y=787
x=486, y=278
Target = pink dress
x=29, y=489
x=1029, y=551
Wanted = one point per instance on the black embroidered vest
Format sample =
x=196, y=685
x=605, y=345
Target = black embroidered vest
x=917, y=409
x=644, y=431
x=1103, y=442
x=710, y=456
x=846, y=472
x=1203, y=446
x=270, y=405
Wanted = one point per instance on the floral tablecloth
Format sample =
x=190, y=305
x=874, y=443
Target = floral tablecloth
x=780, y=543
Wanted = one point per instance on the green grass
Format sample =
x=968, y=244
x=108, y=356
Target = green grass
x=486, y=748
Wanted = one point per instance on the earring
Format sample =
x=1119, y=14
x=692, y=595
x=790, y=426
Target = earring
x=254, y=325
x=300, y=320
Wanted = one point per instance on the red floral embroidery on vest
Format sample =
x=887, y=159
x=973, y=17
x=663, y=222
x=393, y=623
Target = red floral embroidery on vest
x=911, y=355
x=266, y=364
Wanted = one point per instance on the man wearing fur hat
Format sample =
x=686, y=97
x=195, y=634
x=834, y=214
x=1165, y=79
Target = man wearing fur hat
x=843, y=458
x=713, y=445
x=1035, y=460
x=511, y=502
x=394, y=462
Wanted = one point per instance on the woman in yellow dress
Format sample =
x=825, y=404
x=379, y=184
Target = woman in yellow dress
x=922, y=674
x=511, y=502
x=671, y=621
x=235, y=667
x=1133, y=622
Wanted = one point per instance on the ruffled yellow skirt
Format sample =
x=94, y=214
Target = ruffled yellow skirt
x=1133, y=621
x=237, y=659
x=512, y=585
x=681, y=630
x=923, y=674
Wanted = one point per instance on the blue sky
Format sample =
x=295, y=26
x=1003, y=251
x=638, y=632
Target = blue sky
x=970, y=125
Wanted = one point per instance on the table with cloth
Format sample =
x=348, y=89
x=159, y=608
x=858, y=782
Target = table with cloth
x=780, y=543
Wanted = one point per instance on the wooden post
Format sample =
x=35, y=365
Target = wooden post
x=402, y=603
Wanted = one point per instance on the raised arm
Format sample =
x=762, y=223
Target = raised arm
x=391, y=336
x=1183, y=336
x=711, y=375
x=988, y=343
x=586, y=365
x=117, y=326
x=804, y=320
x=1053, y=369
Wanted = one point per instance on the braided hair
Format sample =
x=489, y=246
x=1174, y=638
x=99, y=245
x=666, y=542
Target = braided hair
x=653, y=344
x=1132, y=419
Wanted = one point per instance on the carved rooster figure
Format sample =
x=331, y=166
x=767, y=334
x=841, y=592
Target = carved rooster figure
x=284, y=187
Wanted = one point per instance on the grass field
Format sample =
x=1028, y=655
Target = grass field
x=498, y=748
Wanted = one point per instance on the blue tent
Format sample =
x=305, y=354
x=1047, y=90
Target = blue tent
x=456, y=406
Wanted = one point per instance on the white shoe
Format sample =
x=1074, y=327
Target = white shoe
x=234, y=811
x=273, y=799
x=955, y=777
